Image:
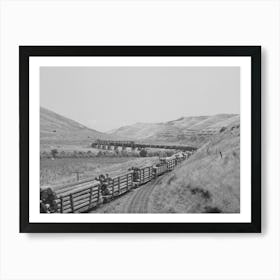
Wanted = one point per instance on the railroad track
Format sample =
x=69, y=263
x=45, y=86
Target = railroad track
x=85, y=195
x=139, y=201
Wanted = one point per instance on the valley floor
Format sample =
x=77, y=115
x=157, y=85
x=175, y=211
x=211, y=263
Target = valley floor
x=61, y=170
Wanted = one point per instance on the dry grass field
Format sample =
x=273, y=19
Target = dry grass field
x=59, y=171
x=209, y=182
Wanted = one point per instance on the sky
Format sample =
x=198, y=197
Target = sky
x=106, y=98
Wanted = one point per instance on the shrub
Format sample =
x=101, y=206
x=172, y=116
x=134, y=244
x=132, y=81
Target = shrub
x=170, y=153
x=143, y=153
x=89, y=154
x=203, y=193
x=54, y=152
x=210, y=209
x=99, y=154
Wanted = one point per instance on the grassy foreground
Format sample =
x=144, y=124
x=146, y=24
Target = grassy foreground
x=209, y=182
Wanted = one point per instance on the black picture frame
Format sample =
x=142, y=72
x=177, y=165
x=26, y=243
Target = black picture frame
x=25, y=52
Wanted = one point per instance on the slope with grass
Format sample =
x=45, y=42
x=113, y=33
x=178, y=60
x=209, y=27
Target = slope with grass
x=209, y=182
x=57, y=130
x=185, y=130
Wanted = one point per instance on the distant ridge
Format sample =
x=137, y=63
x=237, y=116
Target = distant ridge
x=57, y=130
x=182, y=130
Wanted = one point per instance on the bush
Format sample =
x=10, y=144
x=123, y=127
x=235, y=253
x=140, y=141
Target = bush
x=89, y=154
x=99, y=154
x=170, y=153
x=54, y=152
x=143, y=153
x=210, y=209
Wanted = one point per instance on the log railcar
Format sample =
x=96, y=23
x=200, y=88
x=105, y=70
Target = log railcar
x=171, y=164
x=170, y=161
x=160, y=169
x=79, y=200
x=179, y=160
x=87, y=197
x=142, y=175
x=120, y=185
x=82, y=196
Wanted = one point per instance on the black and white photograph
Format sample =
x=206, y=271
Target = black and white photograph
x=140, y=139
x=141, y=135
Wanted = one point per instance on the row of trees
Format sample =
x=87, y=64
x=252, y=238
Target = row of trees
x=54, y=153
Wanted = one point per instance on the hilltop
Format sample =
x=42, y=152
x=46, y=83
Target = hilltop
x=58, y=130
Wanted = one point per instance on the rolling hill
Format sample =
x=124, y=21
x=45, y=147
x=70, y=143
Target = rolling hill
x=209, y=182
x=185, y=130
x=57, y=130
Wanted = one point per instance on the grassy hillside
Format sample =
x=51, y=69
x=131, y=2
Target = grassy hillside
x=186, y=130
x=56, y=130
x=208, y=182
x=136, y=131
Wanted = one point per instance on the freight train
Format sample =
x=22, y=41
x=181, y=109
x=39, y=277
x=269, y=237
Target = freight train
x=88, y=194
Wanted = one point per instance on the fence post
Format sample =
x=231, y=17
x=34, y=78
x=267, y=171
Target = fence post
x=127, y=181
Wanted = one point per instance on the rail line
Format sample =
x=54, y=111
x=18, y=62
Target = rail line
x=140, y=200
x=89, y=194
